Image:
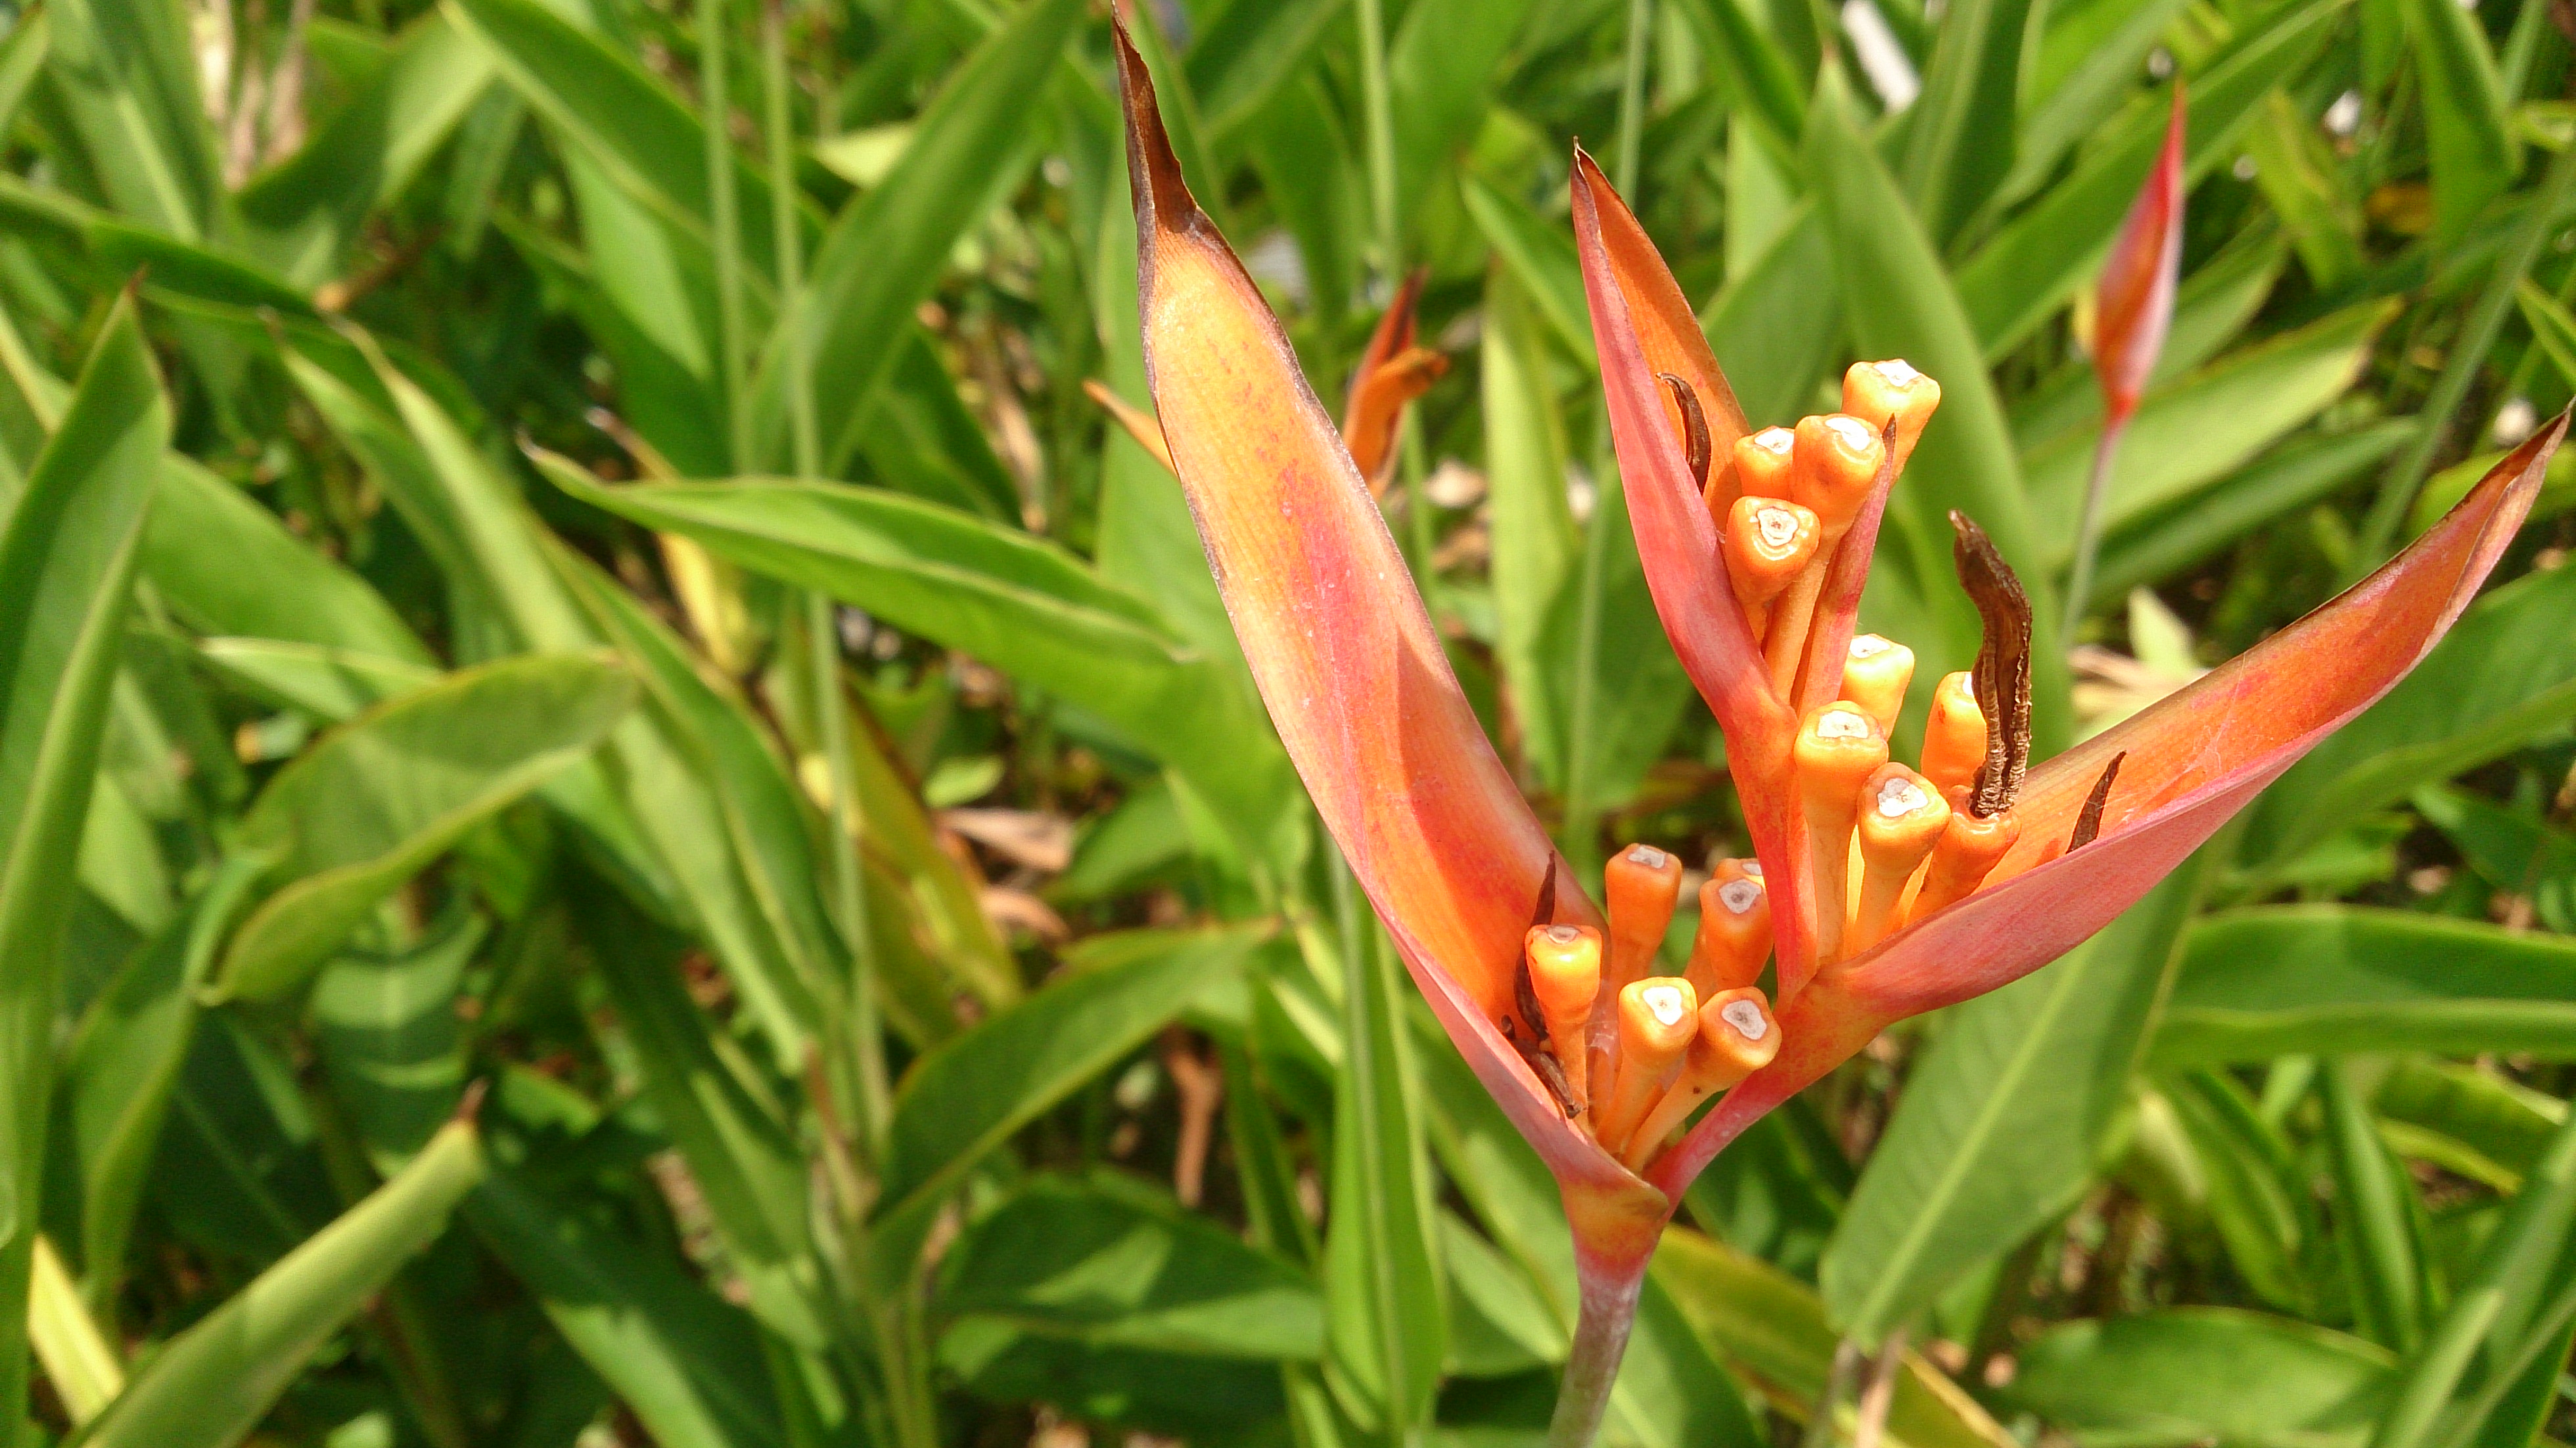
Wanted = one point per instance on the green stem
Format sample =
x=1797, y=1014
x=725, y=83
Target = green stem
x=1601, y=1326
x=1377, y=115
x=2088, y=533
x=726, y=225
x=1632, y=99
x=2460, y=368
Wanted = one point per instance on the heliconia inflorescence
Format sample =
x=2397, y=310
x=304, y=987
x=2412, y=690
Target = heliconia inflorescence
x=1876, y=889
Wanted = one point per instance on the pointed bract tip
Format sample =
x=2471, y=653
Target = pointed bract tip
x=1162, y=195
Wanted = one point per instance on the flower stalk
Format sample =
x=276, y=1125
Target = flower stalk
x=2133, y=313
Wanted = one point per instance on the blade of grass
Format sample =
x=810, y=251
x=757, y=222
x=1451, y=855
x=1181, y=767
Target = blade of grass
x=67, y=563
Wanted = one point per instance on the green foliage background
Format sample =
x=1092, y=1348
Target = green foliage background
x=624, y=819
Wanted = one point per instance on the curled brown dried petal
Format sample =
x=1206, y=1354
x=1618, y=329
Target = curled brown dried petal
x=2002, y=672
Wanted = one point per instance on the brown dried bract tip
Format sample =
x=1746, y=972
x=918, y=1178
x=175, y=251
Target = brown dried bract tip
x=2002, y=673
x=2088, y=821
x=1695, y=440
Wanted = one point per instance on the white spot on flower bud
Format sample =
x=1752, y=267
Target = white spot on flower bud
x=1563, y=934
x=1779, y=440
x=1753, y=868
x=1747, y=1019
x=1869, y=646
x=1900, y=797
x=1841, y=724
x=1648, y=856
x=1664, y=1002
x=1897, y=371
x=1739, y=896
x=1851, y=432
x=1778, y=526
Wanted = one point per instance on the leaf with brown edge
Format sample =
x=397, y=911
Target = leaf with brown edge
x=1344, y=653
x=2193, y=760
x=1677, y=539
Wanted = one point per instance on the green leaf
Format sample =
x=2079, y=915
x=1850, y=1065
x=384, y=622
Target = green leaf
x=2500, y=1311
x=22, y=60
x=967, y=1096
x=1764, y=84
x=2511, y=850
x=1247, y=55
x=1980, y=1152
x=2551, y=327
x=2167, y=540
x=2273, y=980
x=1959, y=140
x=67, y=563
x=688, y=1364
x=390, y=1039
x=2034, y=263
x=1386, y=1324
x=2493, y=1130
x=1440, y=68
x=2472, y=154
x=1635, y=699
x=331, y=685
x=126, y=78
x=378, y=799
x=303, y=214
x=123, y=1062
x=2303, y=180
x=2196, y=431
x=769, y=823
x=2194, y=1374
x=1778, y=326
x=2373, y=1205
x=883, y=254
x=1540, y=258
x=214, y=1382
x=1196, y=1399
x=1017, y=603
x=2505, y=674
x=1535, y=546
x=226, y=565
x=620, y=116
x=1772, y=1327
x=2086, y=64
x=1104, y=1260
x=2259, y=1198
x=724, y=1116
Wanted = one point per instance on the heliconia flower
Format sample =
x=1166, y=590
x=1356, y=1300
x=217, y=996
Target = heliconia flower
x=2133, y=309
x=2134, y=300
x=2025, y=866
x=1881, y=890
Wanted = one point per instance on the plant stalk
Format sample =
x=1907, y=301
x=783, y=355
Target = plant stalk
x=1601, y=1327
x=1632, y=99
x=725, y=223
x=2088, y=532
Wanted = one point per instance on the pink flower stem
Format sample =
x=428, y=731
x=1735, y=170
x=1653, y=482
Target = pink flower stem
x=2088, y=530
x=1601, y=1325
